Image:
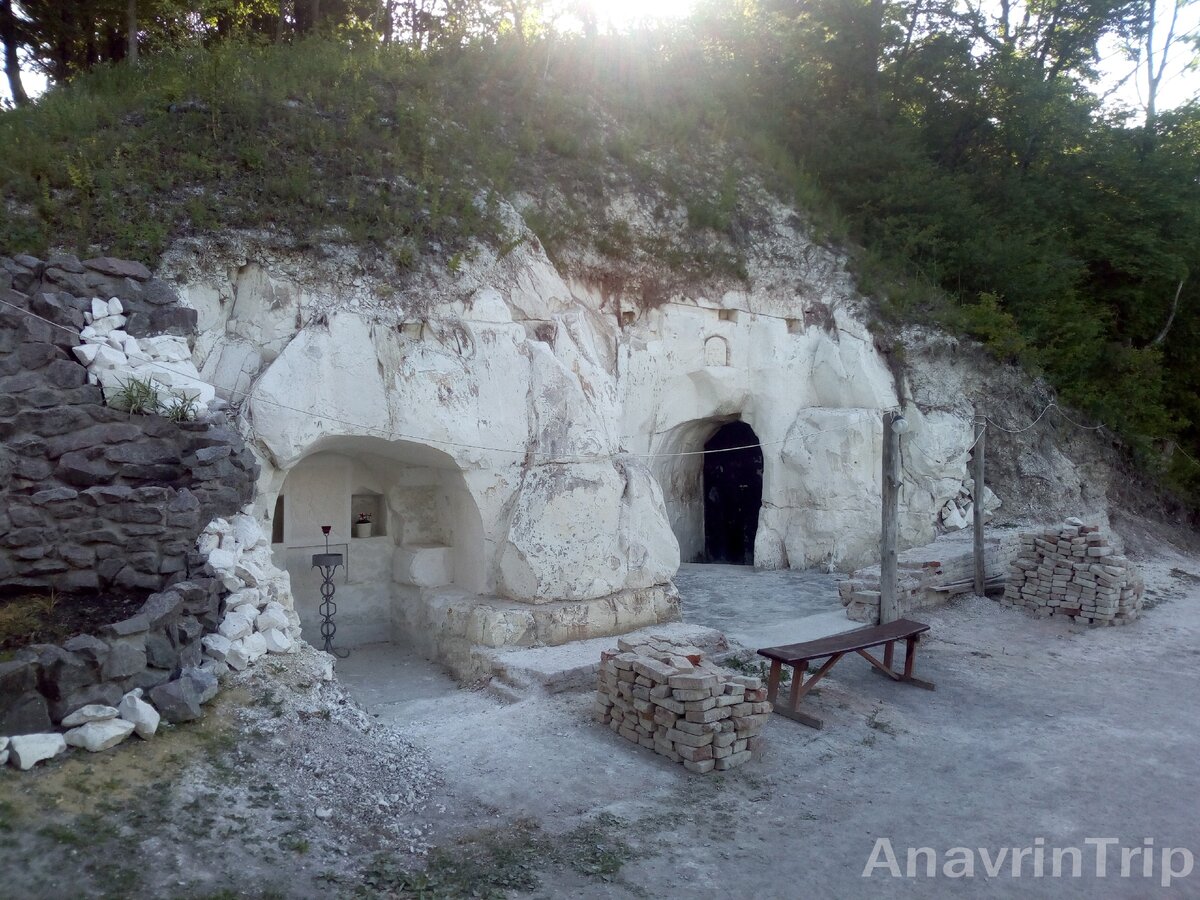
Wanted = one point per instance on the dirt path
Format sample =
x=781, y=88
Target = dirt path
x=1035, y=731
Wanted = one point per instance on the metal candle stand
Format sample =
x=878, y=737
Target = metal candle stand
x=328, y=563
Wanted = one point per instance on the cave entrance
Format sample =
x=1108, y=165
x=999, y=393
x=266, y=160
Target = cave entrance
x=733, y=481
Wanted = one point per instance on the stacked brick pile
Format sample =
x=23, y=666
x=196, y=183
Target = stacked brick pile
x=1072, y=571
x=669, y=699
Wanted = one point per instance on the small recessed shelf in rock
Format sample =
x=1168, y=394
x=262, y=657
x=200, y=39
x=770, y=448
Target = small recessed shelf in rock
x=371, y=505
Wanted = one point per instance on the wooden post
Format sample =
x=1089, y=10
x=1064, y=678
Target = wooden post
x=977, y=501
x=889, y=603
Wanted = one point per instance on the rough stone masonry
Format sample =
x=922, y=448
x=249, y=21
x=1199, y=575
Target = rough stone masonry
x=1072, y=571
x=669, y=699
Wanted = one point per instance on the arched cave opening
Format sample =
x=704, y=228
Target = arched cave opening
x=732, y=494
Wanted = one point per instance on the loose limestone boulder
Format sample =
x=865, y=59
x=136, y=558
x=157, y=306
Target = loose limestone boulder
x=92, y=713
x=99, y=735
x=27, y=750
x=140, y=714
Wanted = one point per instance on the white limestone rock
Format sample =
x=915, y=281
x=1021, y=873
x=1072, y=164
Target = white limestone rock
x=85, y=353
x=247, y=532
x=114, y=307
x=277, y=641
x=238, y=656
x=27, y=750
x=140, y=714
x=93, y=712
x=273, y=616
x=98, y=736
x=218, y=526
x=207, y=542
x=223, y=561
x=99, y=309
x=249, y=600
x=216, y=646
x=255, y=646
x=107, y=359
x=236, y=624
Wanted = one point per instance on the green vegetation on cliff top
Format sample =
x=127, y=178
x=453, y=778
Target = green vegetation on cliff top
x=986, y=190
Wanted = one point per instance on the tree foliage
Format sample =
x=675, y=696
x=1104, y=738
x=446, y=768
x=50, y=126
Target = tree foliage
x=961, y=144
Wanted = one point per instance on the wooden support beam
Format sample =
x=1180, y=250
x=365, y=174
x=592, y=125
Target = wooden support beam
x=889, y=602
x=977, y=498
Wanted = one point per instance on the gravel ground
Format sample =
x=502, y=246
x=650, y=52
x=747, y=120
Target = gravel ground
x=289, y=788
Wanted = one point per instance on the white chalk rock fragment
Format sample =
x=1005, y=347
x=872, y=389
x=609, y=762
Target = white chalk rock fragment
x=99, y=309
x=93, y=712
x=277, y=641
x=238, y=657
x=250, y=573
x=216, y=646
x=108, y=358
x=223, y=561
x=85, y=353
x=954, y=520
x=97, y=736
x=236, y=625
x=273, y=617
x=140, y=714
x=27, y=750
x=207, y=543
x=114, y=307
x=249, y=600
x=217, y=526
x=255, y=646
x=246, y=531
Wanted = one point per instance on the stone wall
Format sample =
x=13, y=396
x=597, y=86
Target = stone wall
x=1073, y=571
x=92, y=498
x=104, y=504
x=152, y=650
x=667, y=698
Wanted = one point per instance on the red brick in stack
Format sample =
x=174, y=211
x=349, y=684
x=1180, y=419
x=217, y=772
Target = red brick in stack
x=666, y=697
x=1072, y=571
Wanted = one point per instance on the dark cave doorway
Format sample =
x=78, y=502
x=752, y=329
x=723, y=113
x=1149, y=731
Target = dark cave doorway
x=732, y=494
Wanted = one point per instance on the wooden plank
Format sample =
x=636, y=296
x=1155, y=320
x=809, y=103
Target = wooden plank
x=884, y=669
x=798, y=690
x=889, y=601
x=977, y=498
x=773, y=680
x=848, y=642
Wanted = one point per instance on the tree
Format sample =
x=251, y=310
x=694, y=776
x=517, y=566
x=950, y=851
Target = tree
x=12, y=61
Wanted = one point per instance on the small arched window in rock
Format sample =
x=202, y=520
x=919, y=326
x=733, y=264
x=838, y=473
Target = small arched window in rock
x=716, y=351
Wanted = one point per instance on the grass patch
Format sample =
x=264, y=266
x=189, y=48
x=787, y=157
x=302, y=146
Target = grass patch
x=491, y=863
x=402, y=154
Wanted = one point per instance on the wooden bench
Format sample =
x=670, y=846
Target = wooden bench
x=859, y=641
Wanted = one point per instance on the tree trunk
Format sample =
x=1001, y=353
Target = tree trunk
x=131, y=33
x=12, y=64
x=389, y=22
